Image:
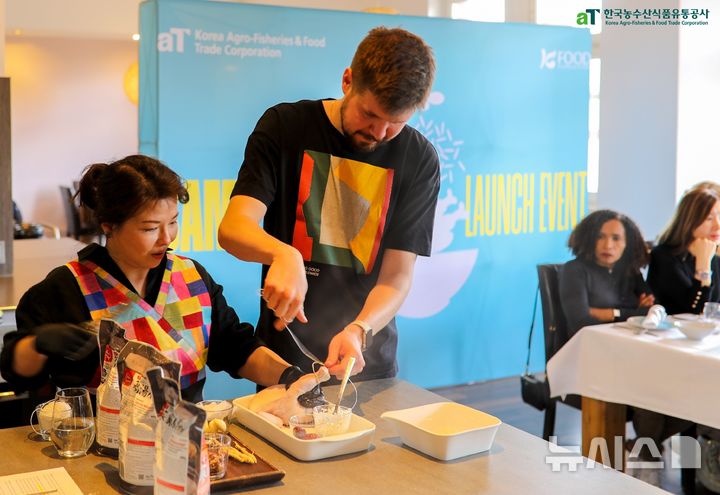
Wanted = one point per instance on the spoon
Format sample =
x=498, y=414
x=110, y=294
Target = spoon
x=343, y=384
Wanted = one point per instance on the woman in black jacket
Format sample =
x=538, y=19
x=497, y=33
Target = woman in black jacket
x=685, y=274
x=684, y=268
x=158, y=297
x=603, y=283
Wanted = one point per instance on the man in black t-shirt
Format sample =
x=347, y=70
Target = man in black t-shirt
x=347, y=194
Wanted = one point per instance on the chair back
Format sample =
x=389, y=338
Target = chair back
x=554, y=325
x=72, y=214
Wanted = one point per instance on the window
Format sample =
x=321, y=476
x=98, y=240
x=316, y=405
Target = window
x=594, y=127
x=479, y=10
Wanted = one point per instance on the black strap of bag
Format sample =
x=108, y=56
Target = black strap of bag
x=534, y=389
x=532, y=328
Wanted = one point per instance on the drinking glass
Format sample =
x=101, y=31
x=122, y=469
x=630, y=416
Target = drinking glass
x=711, y=311
x=217, y=445
x=72, y=430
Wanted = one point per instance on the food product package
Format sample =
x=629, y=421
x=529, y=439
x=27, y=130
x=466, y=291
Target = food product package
x=181, y=456
x=136, y=453
x=111, y=340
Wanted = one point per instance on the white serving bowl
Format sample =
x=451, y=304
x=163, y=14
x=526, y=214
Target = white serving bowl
x=695, y=329
x=445, y=430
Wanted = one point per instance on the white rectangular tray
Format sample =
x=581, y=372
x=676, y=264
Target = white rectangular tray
x=356, y=439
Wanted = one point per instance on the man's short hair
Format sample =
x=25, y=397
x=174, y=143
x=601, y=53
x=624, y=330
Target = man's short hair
x=396, y=66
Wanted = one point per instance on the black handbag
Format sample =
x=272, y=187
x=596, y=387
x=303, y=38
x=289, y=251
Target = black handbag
x=534, y=388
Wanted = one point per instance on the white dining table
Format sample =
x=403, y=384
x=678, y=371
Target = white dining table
x=613, y=366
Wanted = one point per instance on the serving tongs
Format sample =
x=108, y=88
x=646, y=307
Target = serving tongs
x=302, y=348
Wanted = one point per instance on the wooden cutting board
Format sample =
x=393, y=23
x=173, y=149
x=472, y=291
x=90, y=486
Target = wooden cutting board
x=240, y=474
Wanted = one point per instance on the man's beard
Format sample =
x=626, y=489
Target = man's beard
x=368, y=143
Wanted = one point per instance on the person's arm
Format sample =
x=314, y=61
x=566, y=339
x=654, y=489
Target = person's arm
x=263, y=367
x=574, y=298
x=645, y=299
x=241, y=235
x=704, y=251
x=381, y=305
x=240, y=232
x=674, y=285
x=47, y=335
x=233, y=346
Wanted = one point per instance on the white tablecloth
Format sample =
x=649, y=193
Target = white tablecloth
x=664, y=372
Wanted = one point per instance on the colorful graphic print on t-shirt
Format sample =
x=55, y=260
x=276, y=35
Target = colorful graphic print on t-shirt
x=341, y=210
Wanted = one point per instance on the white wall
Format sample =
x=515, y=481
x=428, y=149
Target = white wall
x=68, y=110
x=638, y=119
x=698, y=154
x=103, y=19
x=2, y=37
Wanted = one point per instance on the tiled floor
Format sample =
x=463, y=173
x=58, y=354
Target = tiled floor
x=501, y=398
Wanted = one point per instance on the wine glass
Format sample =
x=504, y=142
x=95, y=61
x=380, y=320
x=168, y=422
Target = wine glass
x=711, y=312
x=73, y=427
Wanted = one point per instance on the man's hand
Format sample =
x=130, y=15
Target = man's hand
x=65, y=340
x=345, y=344
x=285, y=286
x=241, y=235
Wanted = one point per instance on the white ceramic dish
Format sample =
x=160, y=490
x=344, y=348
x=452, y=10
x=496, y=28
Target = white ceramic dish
x=445, y=430
x=696, y=330
x=356, y=439
x=637, y=321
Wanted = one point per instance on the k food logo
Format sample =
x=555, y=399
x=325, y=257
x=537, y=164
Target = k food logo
x=564, y=59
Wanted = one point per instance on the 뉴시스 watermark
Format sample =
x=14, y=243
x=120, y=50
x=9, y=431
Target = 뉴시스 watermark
x=688, y=449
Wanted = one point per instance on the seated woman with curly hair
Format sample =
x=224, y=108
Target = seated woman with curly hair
x=603, y=283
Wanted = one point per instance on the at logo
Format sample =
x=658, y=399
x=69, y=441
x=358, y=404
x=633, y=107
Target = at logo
x=564, y=59
x=589, y=15
x=173, y=40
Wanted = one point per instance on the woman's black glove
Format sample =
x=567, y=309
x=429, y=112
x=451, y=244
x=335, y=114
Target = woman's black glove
x=314, y=397
x=290, y=376
x=65, y=340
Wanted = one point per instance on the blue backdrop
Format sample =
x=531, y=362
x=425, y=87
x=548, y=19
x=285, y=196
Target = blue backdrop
x=508, y=116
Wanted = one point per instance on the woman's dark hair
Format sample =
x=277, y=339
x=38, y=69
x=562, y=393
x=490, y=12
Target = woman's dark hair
x=116, y=191
x=693, y=209
x=584, y=236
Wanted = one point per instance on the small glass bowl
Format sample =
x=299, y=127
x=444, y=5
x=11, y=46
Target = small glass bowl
x=303, y=427
x=328, y=422
x=217, y=445
x=216, y=409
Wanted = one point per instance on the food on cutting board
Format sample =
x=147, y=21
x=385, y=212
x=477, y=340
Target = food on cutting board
x=216, y=426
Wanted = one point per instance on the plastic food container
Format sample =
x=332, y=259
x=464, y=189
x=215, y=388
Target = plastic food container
x=303, y=427
x=445, y=430
x=328, y=422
